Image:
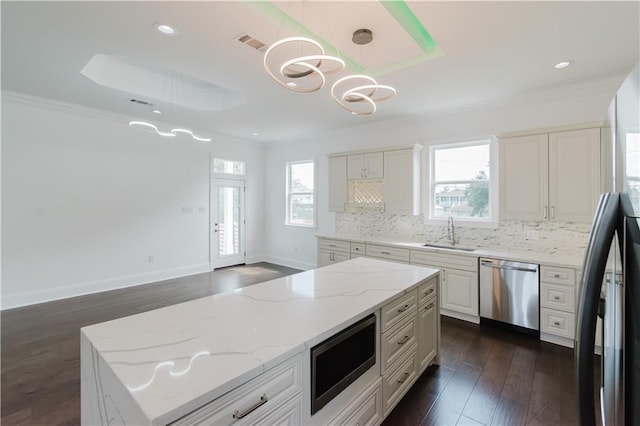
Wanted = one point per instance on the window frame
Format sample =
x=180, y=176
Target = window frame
x=492, y=220
x=288, y=194
x=228, y=175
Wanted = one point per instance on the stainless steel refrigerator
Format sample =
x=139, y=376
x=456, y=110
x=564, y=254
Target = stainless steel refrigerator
x=610, y=286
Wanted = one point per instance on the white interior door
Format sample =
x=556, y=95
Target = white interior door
x=227, y=223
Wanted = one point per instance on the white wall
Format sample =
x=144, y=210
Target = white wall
x=297, y=247
x=86, y=200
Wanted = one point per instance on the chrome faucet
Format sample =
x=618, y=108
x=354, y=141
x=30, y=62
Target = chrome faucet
x=451, y=231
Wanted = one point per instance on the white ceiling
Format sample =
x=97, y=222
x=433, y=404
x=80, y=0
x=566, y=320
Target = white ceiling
x=491, y=51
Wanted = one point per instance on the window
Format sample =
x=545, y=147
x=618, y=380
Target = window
x=300, y=194
x=460, y=184
x=228, y=167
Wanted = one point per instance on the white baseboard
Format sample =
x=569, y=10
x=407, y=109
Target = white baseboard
x=255, y=259
x=33, y=297
x=291, y=263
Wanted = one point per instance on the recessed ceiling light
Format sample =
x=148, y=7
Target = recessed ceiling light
x=255, y=134
x=561, y=65
x=164, y=28
x=156, y=111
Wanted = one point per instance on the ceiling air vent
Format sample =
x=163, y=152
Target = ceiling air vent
x=250, y=40
x=140, y=101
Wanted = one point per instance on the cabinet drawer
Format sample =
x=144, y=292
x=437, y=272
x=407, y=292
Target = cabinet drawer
x=396, y=383
x=334, y=245
x=397, y=341
x=427, y=290
x=391, y=253
x=365, y=410
x=455, y=261
x=557, y=322
x=557, y=297
x=399, y=308
x=358, y=248
x=288, y=414
x=558, y=275
x=253, y=400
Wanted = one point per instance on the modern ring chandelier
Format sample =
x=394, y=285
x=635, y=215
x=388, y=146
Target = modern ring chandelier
x=302, y=66
x=358, y=94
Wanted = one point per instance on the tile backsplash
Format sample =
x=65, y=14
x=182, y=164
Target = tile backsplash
x=565, y=238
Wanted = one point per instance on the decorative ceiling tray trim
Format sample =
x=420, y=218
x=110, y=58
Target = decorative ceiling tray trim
x=398, y=10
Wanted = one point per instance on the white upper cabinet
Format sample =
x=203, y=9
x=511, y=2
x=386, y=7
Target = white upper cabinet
x=554, y=176
x=523, y=177
x=574, y=174
x=337, y=184
x=365, y=166
x=402, y=181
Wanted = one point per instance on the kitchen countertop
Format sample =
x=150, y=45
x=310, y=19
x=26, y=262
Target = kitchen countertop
x=531, y=257
x=173, y=360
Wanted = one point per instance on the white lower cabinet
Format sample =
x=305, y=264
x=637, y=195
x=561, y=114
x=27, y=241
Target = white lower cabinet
x=330, y=257
x=427, y=333
x=398, y=381
x=557, y=305
x=458, y=285
x=286, y=415
x=460, y=291
x=333, y=251
x=260, y=398
x=365, y=410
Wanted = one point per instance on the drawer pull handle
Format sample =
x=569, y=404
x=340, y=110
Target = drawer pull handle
x=263, y=400
x=429, y=306
x=406, y=374
x=403, y=341
x=332, y=245
x=404, y=308
x=556, y=297
x=556, y=323
x=431, y=290
x=384, y=252
x=556, y=275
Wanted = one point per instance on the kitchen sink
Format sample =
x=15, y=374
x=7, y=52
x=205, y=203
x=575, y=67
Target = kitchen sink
x=448, y=247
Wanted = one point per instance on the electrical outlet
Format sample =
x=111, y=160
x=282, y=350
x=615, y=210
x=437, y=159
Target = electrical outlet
x=151, y=259
x=187, y=210
x=202, y=209
x=532, y=235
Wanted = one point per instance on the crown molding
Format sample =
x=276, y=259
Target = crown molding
x=100, y=114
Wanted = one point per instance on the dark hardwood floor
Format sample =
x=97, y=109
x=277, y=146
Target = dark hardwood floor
x=492, y=376
x=41, y=343
x=487, y=375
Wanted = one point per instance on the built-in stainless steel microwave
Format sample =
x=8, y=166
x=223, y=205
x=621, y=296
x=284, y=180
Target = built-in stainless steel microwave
x=340, y=360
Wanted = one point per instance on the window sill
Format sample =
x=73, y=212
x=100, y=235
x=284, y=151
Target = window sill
x=292, y=225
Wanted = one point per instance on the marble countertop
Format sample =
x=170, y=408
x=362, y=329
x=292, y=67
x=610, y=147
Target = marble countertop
x=175, y=359
x=542, y=258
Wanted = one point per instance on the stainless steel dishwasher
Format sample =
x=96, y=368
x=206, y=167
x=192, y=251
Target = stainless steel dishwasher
x=509, y=293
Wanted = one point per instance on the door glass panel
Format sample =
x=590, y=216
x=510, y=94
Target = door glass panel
x=229, y=220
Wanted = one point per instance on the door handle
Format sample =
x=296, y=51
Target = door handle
x=545, y=212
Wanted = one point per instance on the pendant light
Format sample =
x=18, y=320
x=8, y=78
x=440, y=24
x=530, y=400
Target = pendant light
x=360, y=93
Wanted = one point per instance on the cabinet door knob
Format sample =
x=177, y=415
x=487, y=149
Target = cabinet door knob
x=556, y=323
x=556, y=297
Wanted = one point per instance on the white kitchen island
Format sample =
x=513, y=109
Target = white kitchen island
x=243, y=356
